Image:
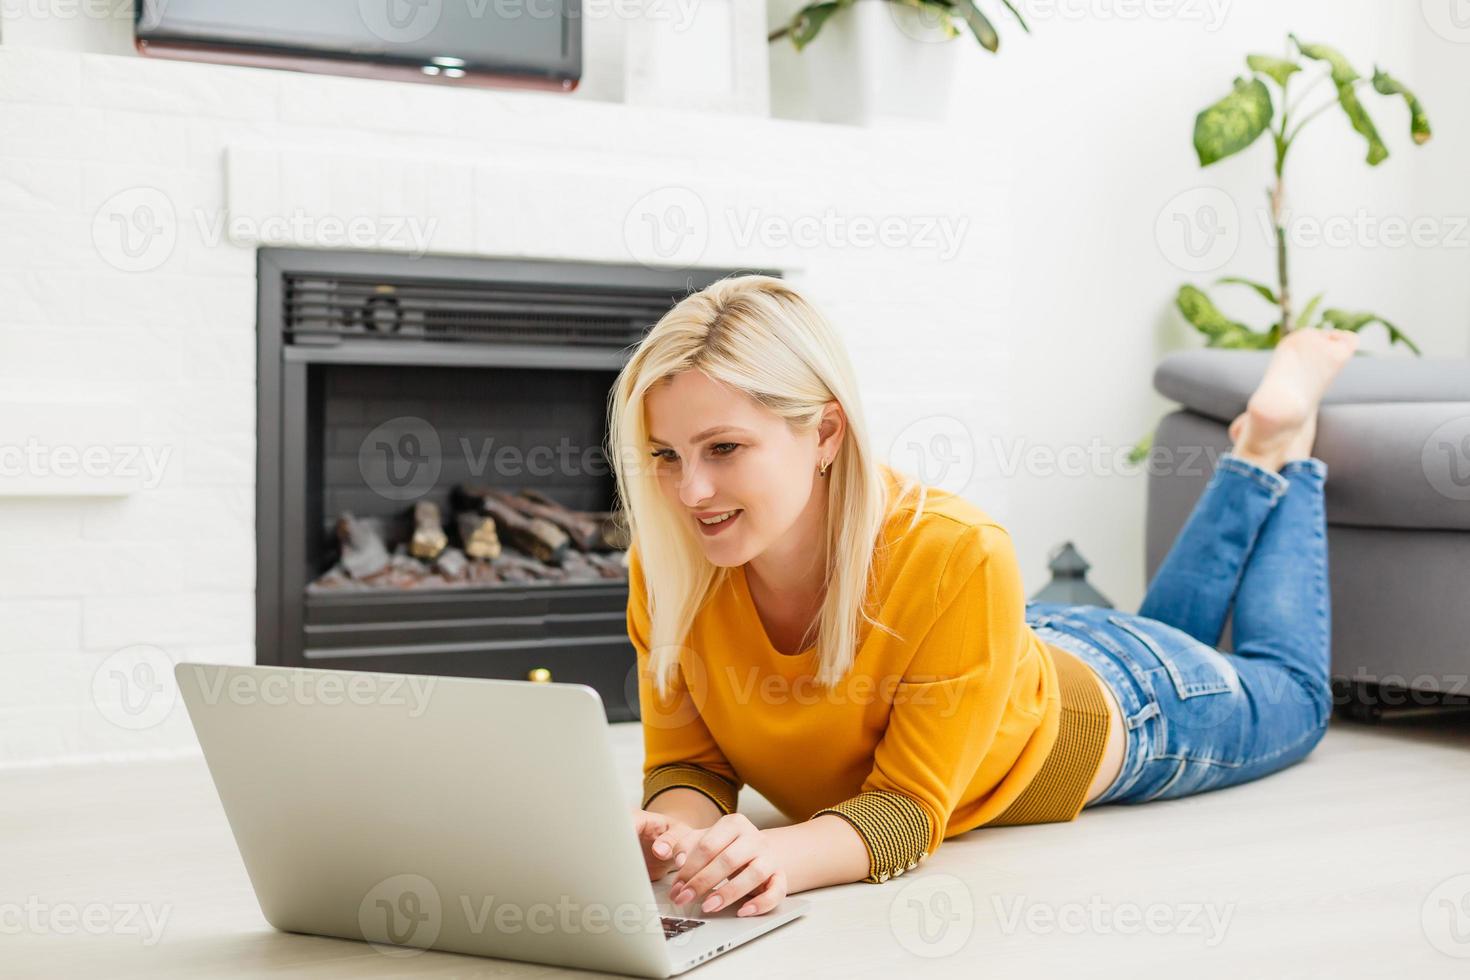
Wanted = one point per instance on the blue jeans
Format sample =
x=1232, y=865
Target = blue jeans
x=1198, y=719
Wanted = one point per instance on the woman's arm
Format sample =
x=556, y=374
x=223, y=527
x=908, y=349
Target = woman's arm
x=820, y=852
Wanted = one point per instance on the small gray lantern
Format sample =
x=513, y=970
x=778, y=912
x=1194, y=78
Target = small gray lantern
x=1069, y=580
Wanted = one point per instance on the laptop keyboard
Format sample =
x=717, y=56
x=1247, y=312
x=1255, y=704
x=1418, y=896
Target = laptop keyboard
x=674, y=925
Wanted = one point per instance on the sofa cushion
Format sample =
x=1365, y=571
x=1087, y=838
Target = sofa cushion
x=1217, y=383
x=1403, y=465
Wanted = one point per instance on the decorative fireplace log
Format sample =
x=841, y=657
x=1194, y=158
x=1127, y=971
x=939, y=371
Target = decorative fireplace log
x=608, y=565
x=402, y=572
x=362, y=543
x=477, y=534
x=593, y=566
x=583, y=528
x=518, y=568
x=536, y=536
x=483, y=573
x=428, y=538
x=452, y=564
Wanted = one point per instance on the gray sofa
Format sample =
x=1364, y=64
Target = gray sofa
x=1395, y=435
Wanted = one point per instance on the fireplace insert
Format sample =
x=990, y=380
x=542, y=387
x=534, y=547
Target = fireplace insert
x=433, y=492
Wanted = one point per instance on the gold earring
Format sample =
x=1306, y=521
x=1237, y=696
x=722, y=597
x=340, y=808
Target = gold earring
x=823, y=470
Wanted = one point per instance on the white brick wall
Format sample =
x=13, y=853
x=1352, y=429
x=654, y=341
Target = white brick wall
x=503, y=174
x=1040, y=335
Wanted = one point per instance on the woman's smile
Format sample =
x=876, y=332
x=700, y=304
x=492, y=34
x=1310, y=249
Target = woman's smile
x=714, y=522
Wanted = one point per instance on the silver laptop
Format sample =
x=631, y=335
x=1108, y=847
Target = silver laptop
x=418, y=812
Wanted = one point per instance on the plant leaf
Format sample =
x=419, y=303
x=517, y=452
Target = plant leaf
x=1342, y=72
x=1344, y=320
x=1277, y=68
x=1016, y=14
x=1234, y=122
x=807, y=21
x=1140, y=449
x=1259, y=287
x=1220, y=330
x=980, y=25
x=1377, y=152
x=1386, y=84
x=1343, y=76
x=1304, y=318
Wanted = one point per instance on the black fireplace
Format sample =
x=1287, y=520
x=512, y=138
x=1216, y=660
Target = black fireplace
x=386, y=381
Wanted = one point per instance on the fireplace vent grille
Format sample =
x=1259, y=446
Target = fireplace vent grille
x=332, y=309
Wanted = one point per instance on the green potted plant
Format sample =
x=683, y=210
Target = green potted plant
x=1234, y=123
x=877, y=60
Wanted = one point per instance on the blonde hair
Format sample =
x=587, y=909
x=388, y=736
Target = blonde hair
x=757, y=335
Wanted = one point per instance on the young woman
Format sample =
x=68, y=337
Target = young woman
x=859, y=649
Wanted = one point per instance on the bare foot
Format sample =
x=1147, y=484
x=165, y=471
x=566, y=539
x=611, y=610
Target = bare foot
x=1236, y=427
x=1300, y=446
x=1279, y=423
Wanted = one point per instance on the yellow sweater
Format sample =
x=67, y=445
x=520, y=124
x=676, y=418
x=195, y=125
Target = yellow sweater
x=967, y=718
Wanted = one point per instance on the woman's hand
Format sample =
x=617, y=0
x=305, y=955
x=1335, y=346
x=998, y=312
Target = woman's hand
x=734, y=852
x=673, y=837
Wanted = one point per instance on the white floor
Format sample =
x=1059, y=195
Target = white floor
x=1355, y=863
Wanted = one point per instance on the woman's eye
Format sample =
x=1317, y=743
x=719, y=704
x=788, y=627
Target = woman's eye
x=718, y=449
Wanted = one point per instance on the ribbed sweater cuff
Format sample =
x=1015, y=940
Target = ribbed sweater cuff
x=720, y=790
x=894, y=828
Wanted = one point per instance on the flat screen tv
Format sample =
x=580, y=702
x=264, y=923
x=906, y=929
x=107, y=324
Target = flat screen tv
x=499, y=43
